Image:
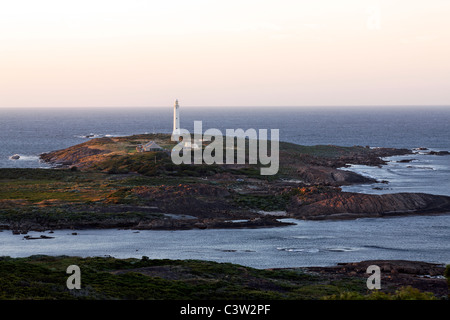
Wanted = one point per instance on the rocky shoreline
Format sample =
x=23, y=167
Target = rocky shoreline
x=24, y=227
x=200, y=196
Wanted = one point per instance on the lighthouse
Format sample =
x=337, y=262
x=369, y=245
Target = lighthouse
x=176, y=118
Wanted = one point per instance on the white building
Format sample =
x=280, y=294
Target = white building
x=150, y=146
x=176, y=118
x=189, y=145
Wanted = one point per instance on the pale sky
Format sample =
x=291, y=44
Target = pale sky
x=117, y=53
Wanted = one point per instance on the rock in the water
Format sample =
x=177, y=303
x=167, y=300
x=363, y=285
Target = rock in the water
x=439, y=153
x=35, y=238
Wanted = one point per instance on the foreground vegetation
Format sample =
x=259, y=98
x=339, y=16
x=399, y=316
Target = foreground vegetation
x=105, y=183
x=44, y=277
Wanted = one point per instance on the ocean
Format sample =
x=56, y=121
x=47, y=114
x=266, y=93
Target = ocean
x=30, y=132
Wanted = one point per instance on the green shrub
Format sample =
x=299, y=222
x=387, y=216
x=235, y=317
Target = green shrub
x=404, y=293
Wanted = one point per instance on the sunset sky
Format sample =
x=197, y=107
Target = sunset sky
x=117, y=53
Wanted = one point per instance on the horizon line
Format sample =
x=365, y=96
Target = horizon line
x=235, y=106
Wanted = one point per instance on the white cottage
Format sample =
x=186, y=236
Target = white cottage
x=150, y=146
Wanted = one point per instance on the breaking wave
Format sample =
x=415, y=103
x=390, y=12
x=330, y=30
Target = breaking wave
x=27, y=158
x=343, y=249
x=315, y=250
x=95, y=135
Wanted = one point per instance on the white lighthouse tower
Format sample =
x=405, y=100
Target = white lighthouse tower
x=176, y=118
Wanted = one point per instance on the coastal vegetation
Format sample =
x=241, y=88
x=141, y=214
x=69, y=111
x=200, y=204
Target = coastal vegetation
x=107, y=183
x=107, y=278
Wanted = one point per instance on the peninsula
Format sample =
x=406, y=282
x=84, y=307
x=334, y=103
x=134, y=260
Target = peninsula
x=111, y=183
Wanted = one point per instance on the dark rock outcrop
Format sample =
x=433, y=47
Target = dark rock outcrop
x=439, y=153
x=331, y=176
x=427, y=277
x=346, y=205
x=405, y=161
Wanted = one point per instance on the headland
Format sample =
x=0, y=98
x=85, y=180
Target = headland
x=108, y=183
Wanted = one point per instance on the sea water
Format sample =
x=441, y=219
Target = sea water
x=307, y=243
